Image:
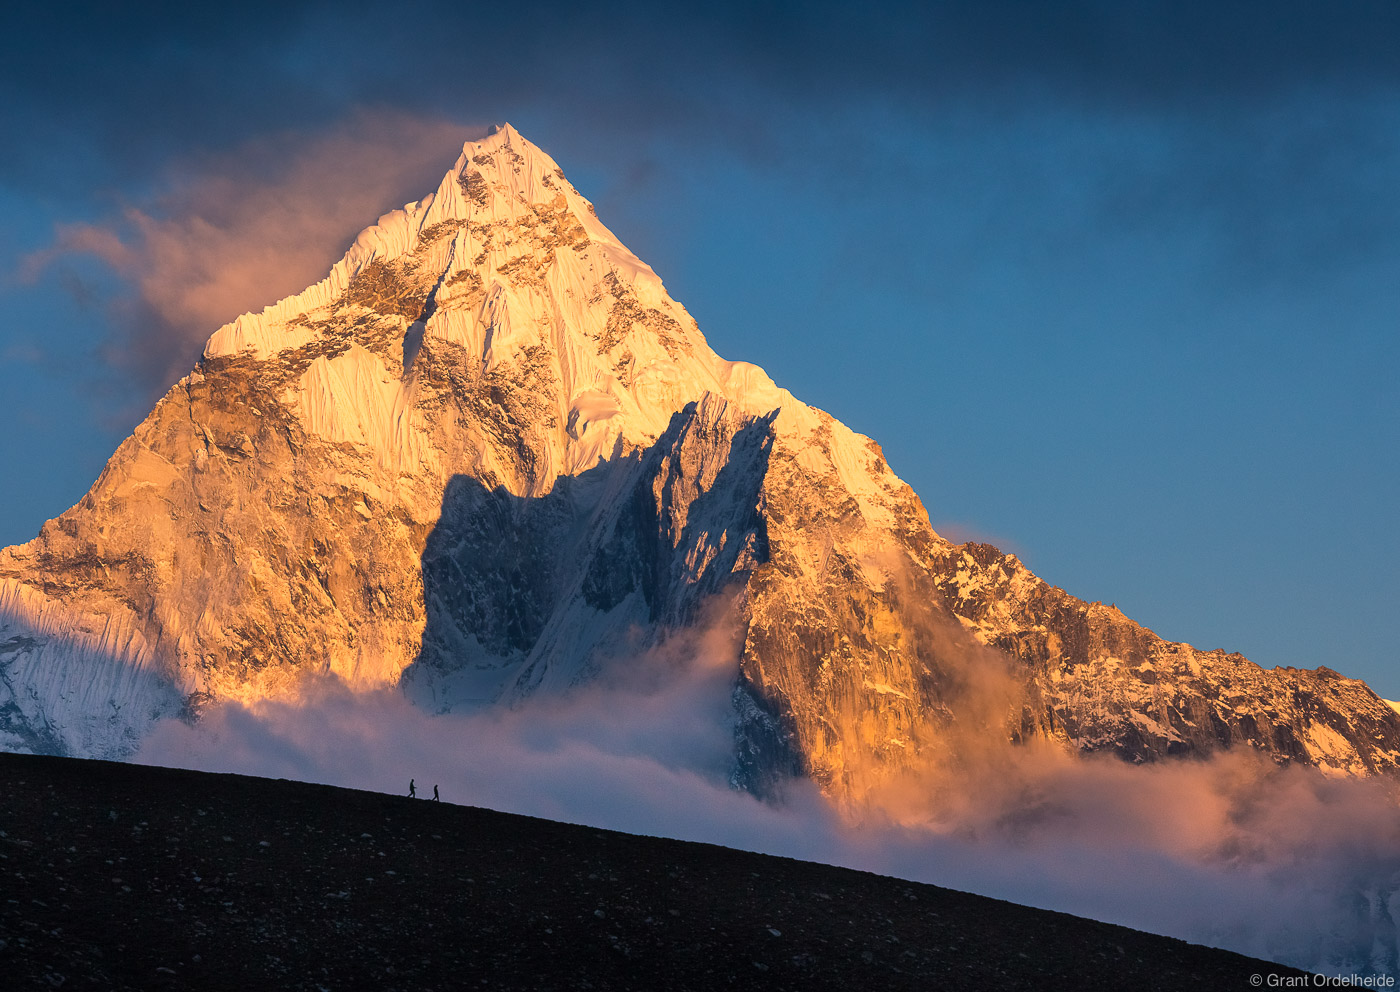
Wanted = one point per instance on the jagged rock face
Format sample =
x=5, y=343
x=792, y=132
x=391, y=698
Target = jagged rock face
x=1099, y=681
x=489, y=453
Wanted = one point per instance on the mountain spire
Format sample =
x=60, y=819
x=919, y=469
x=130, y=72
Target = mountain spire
x=489, y=452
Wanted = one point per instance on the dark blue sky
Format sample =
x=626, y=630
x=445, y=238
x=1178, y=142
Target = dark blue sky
x=1116, y=285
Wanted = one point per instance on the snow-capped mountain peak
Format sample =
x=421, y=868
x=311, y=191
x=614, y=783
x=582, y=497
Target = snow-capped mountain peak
x=507, y=260
x=488, y=451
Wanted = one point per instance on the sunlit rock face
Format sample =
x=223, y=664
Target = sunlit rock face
x=488, y=455
x=1099, y=681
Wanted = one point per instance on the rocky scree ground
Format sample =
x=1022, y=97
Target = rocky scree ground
x=116, y=876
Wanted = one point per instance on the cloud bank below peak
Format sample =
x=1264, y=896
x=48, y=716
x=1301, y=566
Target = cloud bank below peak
x=1273, y=862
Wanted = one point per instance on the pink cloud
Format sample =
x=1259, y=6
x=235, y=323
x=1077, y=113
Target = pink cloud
x=961, y=532
x=235, y=232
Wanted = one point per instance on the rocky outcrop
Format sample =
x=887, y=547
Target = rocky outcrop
x=489, y=454
x=1099, y=681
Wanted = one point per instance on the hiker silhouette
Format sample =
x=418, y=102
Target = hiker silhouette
x=412, y=790
x=435, y=795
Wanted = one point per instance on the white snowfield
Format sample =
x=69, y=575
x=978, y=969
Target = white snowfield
x=84, y=683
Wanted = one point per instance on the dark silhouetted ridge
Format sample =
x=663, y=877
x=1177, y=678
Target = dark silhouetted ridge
x=117, y=876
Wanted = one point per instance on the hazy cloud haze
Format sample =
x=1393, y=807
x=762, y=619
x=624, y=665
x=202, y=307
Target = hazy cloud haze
x=236, y=232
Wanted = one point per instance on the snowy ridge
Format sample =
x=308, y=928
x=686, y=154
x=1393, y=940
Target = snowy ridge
x=1104, y=682
x=396, y=233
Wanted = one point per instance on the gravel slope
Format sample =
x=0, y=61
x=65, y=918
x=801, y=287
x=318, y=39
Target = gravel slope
x=118, y=876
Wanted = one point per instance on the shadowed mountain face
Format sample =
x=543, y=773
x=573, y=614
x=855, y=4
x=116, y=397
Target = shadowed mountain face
x=489, y=454
x=529, y=593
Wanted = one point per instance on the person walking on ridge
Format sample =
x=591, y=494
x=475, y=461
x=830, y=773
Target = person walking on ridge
x=412, y=790
x=435, y=795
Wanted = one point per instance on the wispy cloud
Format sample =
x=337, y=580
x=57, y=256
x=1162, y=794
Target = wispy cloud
x=238, y=231
x=1224, y=119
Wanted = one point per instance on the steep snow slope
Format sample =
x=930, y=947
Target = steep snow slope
x=488, y=453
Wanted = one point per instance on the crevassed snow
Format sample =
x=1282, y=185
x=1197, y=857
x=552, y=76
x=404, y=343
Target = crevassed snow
x=89, y=682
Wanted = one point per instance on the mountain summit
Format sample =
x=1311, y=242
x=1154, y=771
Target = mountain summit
x=489, y=456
